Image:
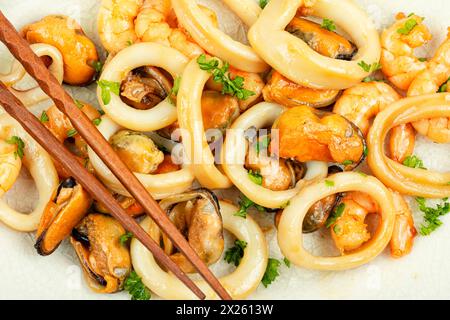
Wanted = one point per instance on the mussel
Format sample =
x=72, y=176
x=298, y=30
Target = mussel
x=61, y=215
x=105, y=261
x=197, y=215
x=137, y=150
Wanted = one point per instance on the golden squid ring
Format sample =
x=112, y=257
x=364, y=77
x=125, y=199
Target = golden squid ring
x=290, y=227
x=215, y=41
x=159, y=185
x=297, y=61
x=34, y=95
x=259, y=116
x=190, y=120
x=135, y=56
x=239, y=284
x=414, y=182
x=41, y=168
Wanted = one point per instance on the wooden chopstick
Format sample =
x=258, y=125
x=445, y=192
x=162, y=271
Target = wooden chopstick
x=57, y=150
x=21, y=50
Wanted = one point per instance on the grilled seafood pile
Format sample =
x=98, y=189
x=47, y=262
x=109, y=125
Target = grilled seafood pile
x=314, y=122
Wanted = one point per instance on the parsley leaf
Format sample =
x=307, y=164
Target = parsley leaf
x=444, y=87
x=20, y=145
x=78, y=103
x=409, y=25
x=133, y=284
x=98, y=66
x=414, y=162
x=285, y=205
x=44, y=117
x=255, y=177
x=107, y=87
x=329, y=183
x=347, y=162
x=72, y=132
x=97, y=121
x=246, y=204
x=234, y=254
x=432, y=215
x=369, y=67
x=263, y=3
x=287, y=262
x=328, y=24
x=125, y=237
x=423, y=59
x=338, y=211
x=271, y=272
x=233, y=87
x=263, y=144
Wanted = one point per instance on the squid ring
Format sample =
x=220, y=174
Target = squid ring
x=193, y=132
x=414, y=182
x=159, y=185
x=41, y=168
x=290, y=226
x=138, y=55
x=215, y=41
x=235, y=146
x=34, y=95
x=297, y=61
x=239, y=284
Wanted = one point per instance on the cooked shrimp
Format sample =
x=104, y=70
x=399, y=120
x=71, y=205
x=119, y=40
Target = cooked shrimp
x=401, y=142
x=429, y=81
x=116, y=23
x=398, y=61
x=404, y=231
x=10, y=165
x=361, y=103
x=350, y=232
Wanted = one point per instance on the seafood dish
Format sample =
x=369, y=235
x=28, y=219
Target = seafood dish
x=282, y=139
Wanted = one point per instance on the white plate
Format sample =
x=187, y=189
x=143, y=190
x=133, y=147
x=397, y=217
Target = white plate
x=422, y=274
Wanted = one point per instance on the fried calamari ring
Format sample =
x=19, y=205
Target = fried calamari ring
x=32, y=96
x=410, y=181
x=41, y=168
x=290, y=227
x=215, y=41
x=297, y=61
x=159, y=185
x=239, y=284
x=135, y=56
x=190, y=120
x=235, y=149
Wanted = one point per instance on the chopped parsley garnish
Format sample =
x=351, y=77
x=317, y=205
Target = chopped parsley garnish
x=234, y=254
x=414, y=162
x=255, y=177
x=271, y=272
x=78, y=103
x=409, y=25
x=347, y=162
x=221, y=75
x=176, y=86
x=107, y=87
x=20, y=146
x=245, y=204
x=423, y=59
x=338, y=211
x=328, y=24
x=285, y=205
x=44, y=117
x=263, y=144
x=71, y=133
x=125, y=237
x=362, y=173
x=369, y=67
x=372, y=79
x=98, y=66
x=366, y=151
x=136, y=288
x=287, y=262
x=129, y=43
x=97, y=121
x=444, y=87
x=432, y=215
x=329, y=183
x=263, y=3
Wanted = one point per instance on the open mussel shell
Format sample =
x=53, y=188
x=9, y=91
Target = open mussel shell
x=105, y=261
x=61, y=215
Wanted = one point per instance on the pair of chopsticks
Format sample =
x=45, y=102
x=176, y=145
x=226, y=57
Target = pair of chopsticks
x=21, y=50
